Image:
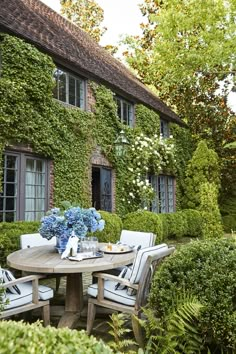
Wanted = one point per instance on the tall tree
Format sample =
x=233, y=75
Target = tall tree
x=187, y=52
x=87, y=14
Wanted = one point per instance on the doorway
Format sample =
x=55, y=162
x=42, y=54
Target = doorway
x=101, y=188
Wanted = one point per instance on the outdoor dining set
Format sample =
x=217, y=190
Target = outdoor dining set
x=121, y=273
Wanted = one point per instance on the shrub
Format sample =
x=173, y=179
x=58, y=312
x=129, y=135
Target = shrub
x=172, y=225
x=203, y=167
x=207, y=269
x=112, y=229
x=176, y=223
x=194, y=222
x=10, y=236
x=229, y=223
x=17, y=337
x=212, y=226
x=145, y=221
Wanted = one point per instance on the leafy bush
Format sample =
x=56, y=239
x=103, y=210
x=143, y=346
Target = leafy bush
x=229, y=223
x=17, y=337
x=145, y=221
x=207, y=269
x=112, y=229
x=173, y=225
x=203, y=167
x=10, y=236
x=194, y=222
x=212, y=226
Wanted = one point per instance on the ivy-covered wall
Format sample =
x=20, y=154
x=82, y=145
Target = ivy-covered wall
x=29, y=115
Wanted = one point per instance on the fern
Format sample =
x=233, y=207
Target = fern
x=177, y=331
x=118, y=331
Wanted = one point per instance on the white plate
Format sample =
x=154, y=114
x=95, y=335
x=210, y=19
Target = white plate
x=116, y=249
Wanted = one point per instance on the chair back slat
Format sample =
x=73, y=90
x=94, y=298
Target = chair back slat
x=34, y=240
x=137, y=238
x=151, y=264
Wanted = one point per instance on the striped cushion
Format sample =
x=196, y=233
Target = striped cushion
x=141, y=259
x=25, y=297
x=8, y=276
x=110, y=293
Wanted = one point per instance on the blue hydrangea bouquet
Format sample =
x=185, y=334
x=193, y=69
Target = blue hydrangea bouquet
x=76, y=219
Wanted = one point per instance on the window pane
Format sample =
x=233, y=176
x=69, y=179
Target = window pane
x=10, y=176
x=125, y=113
x=10, y=217
x=62, y=86
x=10, y=204
x=79, y=93
x=40, y=166
x=29, y=204
x=118, y=102
x=10, y=189
x=11, y=162
x=71, y=90
x=29, y=165
x=1, y=203
x=29, y=216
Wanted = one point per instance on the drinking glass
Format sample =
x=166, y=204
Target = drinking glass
x=93, y=244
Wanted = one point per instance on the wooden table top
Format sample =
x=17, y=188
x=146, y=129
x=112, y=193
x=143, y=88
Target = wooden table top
x=45, y=259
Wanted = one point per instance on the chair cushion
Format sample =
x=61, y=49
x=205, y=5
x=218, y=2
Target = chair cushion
x=136, y=238
x=110, y=293
x=141, y=259
x=124, y=274
x=25, y=297
x=8, y=276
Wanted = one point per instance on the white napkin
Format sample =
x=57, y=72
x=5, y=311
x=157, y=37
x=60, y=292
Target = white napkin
x=80, y=256
x=72, y=245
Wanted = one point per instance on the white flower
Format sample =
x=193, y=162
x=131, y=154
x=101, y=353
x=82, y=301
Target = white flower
x=145, y=208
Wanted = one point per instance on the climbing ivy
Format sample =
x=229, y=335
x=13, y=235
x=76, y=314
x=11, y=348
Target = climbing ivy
x=29, y=115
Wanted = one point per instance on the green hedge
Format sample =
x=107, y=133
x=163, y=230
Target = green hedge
x=172, y=225
x=206, y=269
x=10, y=236
x=20, y=338
x=112, y=229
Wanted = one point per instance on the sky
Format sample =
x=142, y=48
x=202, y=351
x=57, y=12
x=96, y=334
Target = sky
x=120, y=17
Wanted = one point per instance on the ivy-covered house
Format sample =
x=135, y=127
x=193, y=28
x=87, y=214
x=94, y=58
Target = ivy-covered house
x=63, y=102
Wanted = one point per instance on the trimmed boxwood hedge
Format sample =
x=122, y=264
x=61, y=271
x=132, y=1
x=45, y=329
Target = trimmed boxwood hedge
x=20, y=338
x=10, y=236
x=206, y=269
x=112, y=229
x=172, y=225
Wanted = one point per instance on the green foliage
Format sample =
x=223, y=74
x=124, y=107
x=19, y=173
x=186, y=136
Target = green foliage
x=212, y=226
x=176, y=332
x=148, y=121
x=206, y=269
x=165, y=226
x=229, y=223
x=20, y=338
x=86, y=14
x=112, y=230
x=145, y=221
x=203, y=167
x=10, y=236
x=118, y=332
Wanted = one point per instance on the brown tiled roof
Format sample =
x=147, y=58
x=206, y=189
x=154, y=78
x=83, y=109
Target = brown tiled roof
x=69, y=45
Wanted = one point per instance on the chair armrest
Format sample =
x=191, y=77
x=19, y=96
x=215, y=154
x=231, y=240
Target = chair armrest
x=26, y=279
x=115, y=279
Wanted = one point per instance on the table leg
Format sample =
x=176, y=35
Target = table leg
x=73, y=301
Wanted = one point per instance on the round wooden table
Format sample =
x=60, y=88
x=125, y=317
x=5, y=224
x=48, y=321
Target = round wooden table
x=46, y=260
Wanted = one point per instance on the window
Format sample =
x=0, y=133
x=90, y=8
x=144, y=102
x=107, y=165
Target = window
x=164, y=187
x=125, y=111
x=69, y=88
x=25, y=187
x=164, y=129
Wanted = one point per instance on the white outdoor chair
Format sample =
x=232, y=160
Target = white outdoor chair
x=116, y=292
x=137, y=238
x=24, y=294
x=34, y=240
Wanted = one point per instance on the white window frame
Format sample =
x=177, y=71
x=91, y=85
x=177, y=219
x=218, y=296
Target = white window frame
x=130, y=105
x=81, y=104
